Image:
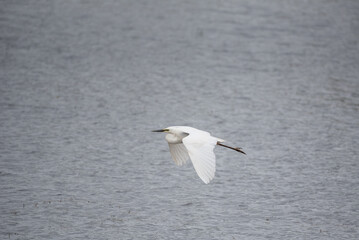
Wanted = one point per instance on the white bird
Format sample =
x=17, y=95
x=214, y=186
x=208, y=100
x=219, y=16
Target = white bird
x=188, y=142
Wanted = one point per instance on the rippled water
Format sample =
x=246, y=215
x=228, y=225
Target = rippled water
x=84, y=82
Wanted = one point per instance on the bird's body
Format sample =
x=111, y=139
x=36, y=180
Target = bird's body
x=187, y=142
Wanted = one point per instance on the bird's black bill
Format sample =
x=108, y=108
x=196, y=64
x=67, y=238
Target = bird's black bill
x=161, y=130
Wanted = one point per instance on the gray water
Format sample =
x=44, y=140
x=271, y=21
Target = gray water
x=83, y=83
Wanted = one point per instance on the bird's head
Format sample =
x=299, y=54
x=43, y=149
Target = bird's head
x=172, y=130
x=174, y=134
x=175, y=130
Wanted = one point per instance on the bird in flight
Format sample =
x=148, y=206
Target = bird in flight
x=188, y=142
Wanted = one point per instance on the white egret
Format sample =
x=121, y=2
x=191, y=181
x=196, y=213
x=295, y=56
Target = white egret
x=187, y=142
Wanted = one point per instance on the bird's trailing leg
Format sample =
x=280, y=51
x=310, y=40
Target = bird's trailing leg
x=235, y=149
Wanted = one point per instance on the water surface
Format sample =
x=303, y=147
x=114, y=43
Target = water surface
x=83, y=83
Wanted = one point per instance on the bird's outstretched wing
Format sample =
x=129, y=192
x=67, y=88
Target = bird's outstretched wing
x=178, y=153
x=200, y=150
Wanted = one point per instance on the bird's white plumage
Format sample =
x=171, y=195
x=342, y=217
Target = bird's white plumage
x=187, y=142
x=196, y=144
x=200, y=150
x=179, y=153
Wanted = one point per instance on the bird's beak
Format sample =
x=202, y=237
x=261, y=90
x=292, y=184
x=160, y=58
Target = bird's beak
x=161, y=130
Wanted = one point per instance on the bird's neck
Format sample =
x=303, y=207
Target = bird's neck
x=175, y=138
